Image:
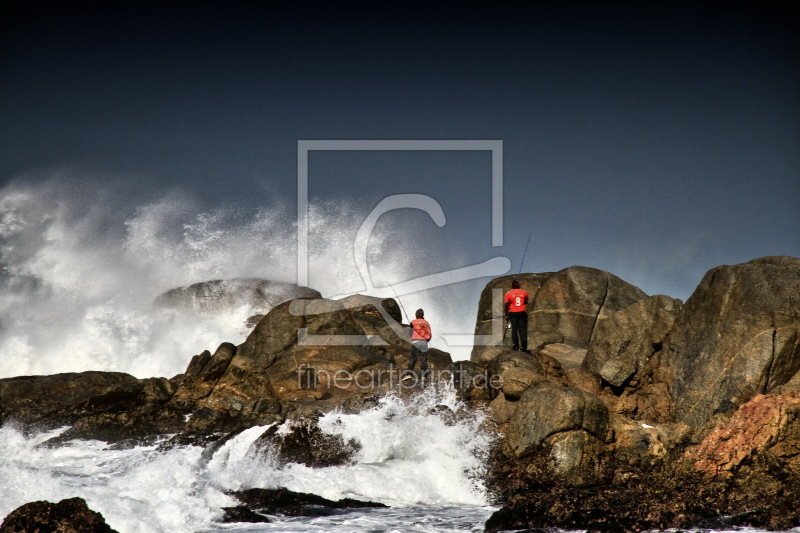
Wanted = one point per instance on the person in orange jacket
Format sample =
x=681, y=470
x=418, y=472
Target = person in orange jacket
x=515, y=301
x=420, y=335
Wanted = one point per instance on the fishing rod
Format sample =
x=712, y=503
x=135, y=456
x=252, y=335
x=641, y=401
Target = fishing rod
x=523, y=255
x=399, y=302
x=522, y=262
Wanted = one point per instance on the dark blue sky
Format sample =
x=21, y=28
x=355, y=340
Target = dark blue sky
x=655, y=140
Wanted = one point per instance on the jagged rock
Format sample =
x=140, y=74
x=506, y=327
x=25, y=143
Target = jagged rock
x=220, y=296
x=737, y=336
x=135, y=425
x=638, y=441
x=67, y=516
x=653, y=498
x=288, y=503
x=501, y=409
x=569, y=357
x=625, y=340
x=61, y=399
x=546, y=409
x=242, y=513
x=765, y=423
x=292, y=339
x=517, y=372
x=564, y=307
x=472, y=381
x=304, y=443
x=370, y=305
x=575, y=454
x=203, y=374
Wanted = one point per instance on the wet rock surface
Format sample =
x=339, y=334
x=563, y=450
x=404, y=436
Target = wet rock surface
x=261, y=502
x=67, y=516
x=629, y=412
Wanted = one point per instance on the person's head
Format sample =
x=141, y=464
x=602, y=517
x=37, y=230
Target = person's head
x=420, y=313
x=515, y=284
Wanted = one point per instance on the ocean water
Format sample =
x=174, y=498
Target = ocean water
x=428, y=469
x=80, y=265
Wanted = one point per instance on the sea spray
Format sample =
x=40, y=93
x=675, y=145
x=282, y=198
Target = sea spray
x=425, y=452
x=81, y=263
x=137, y=490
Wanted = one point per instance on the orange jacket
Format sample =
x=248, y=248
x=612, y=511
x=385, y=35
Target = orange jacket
x=422, y=330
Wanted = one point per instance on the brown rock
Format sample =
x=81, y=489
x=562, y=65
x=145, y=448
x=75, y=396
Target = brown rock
x=67, y=516
x=517, y=372
x=546, y=409
x=737, y=336
x=765, y=423
x=625, y=340
x=563, y=307
x=63, y=398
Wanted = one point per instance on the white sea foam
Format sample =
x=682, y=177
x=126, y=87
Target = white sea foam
x=412, y=456
x=81, y=267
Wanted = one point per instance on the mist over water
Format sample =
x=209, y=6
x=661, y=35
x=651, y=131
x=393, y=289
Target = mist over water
x=82, y=262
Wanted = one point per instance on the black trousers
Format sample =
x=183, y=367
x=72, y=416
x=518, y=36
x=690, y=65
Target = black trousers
x=519, y=329
x=423, y=359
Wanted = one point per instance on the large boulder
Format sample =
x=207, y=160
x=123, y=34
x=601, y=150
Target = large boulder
x=564, y=307
x=737, y=336
x=303, y=442
x=67, y=516
x=625, y=340
x=515, y=372
x=545, y=410
x=302, y=351
x=63, y=398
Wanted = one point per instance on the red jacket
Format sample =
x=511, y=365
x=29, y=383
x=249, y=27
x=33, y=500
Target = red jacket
x=422, y=330
x=516, y=300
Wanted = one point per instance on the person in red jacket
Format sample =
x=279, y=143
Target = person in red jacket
x=515, y=302
x=420, y=335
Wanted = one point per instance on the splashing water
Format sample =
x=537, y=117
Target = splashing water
x=415, y=456
x=80, y=269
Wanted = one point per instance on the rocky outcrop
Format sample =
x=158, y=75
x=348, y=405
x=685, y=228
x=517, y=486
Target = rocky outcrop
x=737, y=336
x=624, y=341
x=662, y=376
x=625, y=405
x=304, y=443
x=564, y=422
x=67, y=516
x=564, y=307
x=259, y=502
x=516, y=371
x=220, y=296
x=659, y=497
x=304, y=356
x=61, y=399
x=744, y=473
x=766, y=424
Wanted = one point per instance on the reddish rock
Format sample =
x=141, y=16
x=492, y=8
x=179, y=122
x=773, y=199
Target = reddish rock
x=767, y=422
